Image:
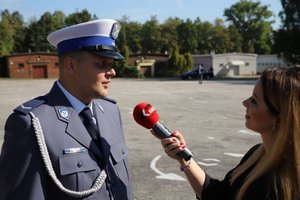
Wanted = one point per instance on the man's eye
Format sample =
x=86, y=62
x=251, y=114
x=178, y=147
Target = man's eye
x=104, y=65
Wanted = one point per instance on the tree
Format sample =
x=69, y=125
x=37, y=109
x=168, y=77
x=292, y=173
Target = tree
x=79, y=17
x=19, y=28
x=287, y=38
x=151, y=36
x=252, y=20
x=6, y=33
x=179, y=63
x=236, y=39
x=187, y=35
x=169, y=38
x=220, y=37
x=133, y=34
x=37, y=31
x=204, y=36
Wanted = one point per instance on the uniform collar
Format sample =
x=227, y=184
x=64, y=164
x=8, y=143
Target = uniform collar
x=76, y=103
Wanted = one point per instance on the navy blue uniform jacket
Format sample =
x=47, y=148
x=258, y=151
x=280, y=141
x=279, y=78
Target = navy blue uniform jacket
x=22, y=172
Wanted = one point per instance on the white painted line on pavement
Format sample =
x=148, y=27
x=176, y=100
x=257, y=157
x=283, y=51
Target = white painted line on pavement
x=236, y=155
x=161, y=175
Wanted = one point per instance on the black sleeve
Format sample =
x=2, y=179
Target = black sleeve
x=215, y=189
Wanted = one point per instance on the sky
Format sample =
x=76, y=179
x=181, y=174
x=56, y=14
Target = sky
x=135, y=10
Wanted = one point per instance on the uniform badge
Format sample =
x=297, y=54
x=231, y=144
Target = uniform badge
x=63, y=112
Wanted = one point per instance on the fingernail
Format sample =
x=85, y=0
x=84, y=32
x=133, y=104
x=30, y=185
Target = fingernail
x=181, y=143
x=174, y=133
x=183, y=147
x=174, y=140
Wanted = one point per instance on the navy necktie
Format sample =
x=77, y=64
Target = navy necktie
x=90, y=123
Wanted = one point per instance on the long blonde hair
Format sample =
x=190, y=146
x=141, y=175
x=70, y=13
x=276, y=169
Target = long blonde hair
x=281, y=87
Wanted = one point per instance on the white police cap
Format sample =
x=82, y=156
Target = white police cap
x=96, y=36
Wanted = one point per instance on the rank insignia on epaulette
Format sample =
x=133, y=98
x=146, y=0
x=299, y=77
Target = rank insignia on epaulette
x=26, y=107
x=63, y=112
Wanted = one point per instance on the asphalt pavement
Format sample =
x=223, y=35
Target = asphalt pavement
x=210, y=115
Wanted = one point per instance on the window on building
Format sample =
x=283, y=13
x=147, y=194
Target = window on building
x=20, y=67
x=246, y=64
x=221, y=65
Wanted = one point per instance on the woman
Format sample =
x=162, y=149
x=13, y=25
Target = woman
x=270, y=170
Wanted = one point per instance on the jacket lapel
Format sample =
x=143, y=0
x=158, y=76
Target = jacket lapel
x=104, y=129
x=74, y=126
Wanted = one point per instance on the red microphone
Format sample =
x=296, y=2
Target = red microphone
x=145, y=115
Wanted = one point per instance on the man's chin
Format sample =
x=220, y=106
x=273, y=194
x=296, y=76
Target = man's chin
x=102, y=94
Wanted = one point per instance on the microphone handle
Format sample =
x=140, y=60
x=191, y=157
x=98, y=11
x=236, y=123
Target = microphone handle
x=162, y=132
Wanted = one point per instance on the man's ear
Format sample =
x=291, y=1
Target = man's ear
x=69, y=63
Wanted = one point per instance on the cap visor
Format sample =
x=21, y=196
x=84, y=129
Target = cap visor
x=109, y=54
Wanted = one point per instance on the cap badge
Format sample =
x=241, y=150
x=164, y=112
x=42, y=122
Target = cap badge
x=115, y=30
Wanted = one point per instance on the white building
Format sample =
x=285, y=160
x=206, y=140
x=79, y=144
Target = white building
x=266, y=61
x=229, y=64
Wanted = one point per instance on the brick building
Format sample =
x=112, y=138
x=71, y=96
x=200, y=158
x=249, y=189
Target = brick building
x=32, y=65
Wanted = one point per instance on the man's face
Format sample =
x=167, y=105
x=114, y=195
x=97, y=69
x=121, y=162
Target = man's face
x=92, y=76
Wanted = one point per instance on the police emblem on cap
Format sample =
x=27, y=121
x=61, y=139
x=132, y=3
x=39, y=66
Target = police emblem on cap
x=63, y=112
x=115, y=30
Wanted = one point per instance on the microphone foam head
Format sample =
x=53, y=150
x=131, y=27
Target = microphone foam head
x=145, y=115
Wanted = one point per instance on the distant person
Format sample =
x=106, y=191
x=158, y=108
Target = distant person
x=270, y=170
x=200, y=74
x=69, y=144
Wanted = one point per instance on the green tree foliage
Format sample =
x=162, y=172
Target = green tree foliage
x=204, y=36
x=151, y=36
x=79, y=17
x=169, y=38
x=220, y=38
x=179, y=63
x=6, y=33
x=252, y=20
x=187, y=35
x=37, y=31
x=236, y=39
x=19, y=28
x=133, y=35
x=287, y=38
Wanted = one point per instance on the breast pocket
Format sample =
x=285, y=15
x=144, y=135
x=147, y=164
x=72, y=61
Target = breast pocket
x=78, y=171
x=119, y=154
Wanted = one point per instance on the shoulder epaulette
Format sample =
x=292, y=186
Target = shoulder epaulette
x=27, y=107
x=109, y=99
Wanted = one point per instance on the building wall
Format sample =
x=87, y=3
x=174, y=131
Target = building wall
x=146, y=63
x=230, y=64
x=204, y=60
x=33, y=65
x=266, y=61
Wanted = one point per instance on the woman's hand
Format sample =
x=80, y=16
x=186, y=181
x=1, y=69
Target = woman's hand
x=173, y=145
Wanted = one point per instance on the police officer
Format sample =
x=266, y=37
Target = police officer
x=69, y=143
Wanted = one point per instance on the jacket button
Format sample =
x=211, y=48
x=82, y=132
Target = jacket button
x=123, y=151
x=79, y=164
